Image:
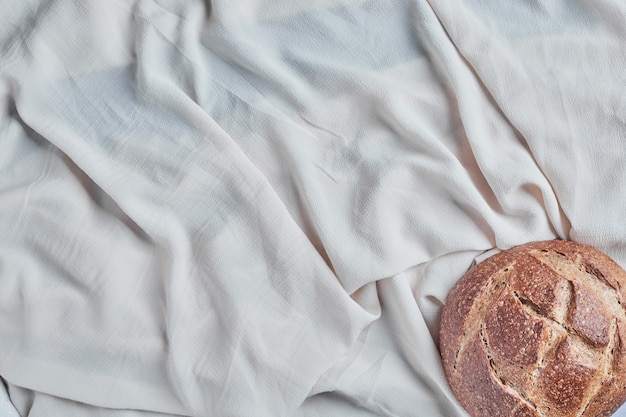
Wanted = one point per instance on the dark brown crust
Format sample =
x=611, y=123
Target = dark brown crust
x=562, y=381
x=538, y=330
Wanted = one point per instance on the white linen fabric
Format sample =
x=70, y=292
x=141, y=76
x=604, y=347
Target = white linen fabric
x=257, y=208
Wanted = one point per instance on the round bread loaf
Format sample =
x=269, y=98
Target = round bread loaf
x=538, y=330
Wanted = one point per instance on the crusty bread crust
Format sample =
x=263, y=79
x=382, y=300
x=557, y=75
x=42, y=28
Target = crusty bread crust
x=538, y=330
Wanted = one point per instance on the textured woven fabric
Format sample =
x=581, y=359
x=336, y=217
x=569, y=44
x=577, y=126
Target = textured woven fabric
x=257, y=207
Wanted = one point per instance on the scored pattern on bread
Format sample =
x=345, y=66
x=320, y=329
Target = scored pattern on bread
x=538, y=331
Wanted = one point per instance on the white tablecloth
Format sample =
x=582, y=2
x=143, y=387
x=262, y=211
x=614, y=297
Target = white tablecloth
x=257, y=207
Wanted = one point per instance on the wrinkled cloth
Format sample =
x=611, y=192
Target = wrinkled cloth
x=257, y=208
